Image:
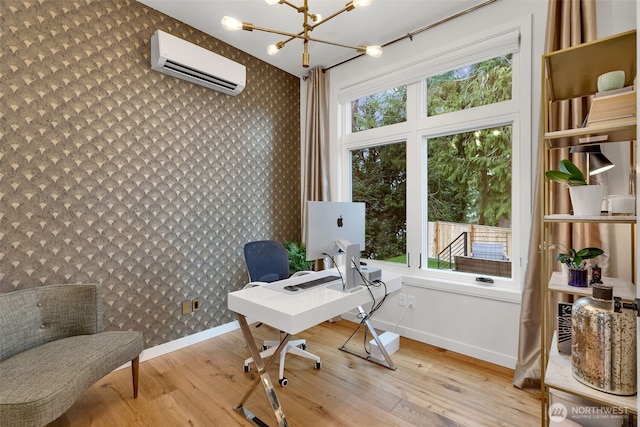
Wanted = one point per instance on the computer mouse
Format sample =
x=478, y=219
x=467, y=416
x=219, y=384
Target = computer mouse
x=291, y=288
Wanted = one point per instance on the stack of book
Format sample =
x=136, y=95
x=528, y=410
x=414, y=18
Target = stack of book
x=613, y=107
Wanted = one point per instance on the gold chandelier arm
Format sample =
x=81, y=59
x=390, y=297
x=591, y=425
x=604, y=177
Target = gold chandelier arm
x=234, y=24
x=282, y=33
x=283, y=42
x=336, y=44
x=299, y=9
x=289, y=4
x=347, y=8
x=301, y=36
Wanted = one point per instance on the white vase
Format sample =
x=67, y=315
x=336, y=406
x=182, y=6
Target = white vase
x=587, y=199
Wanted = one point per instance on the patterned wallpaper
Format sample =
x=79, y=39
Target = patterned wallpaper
x=116, y=174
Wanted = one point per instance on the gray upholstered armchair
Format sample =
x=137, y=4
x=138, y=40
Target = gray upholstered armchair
x=52, y=348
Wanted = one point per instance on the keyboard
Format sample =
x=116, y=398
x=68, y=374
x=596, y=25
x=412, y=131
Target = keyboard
x=312, y=283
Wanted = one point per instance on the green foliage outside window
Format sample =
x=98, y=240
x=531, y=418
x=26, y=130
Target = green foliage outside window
x=379, y=175
x=469, y=177
x=379, y=179
x=382, y=109
x=470, y=86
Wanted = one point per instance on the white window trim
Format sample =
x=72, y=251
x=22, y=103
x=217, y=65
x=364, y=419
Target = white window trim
x=430, y=63
x=499, y=41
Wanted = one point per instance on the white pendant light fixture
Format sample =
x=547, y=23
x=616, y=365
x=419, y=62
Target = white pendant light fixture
x=310, y=22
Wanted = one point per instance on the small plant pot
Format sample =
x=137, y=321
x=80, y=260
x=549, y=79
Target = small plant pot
x=578, y=278
x=586, y=200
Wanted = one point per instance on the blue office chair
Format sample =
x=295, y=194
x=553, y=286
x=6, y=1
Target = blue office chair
x=267, y=262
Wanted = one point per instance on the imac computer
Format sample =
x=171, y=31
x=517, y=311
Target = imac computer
x=337, y=228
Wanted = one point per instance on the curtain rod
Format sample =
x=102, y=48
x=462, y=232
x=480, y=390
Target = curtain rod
x=418, y=31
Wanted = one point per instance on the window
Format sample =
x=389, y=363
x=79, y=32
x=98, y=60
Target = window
x=435, y=158
x=379, y=178
x=469, y=201
x=385, y=108
x=474, y=85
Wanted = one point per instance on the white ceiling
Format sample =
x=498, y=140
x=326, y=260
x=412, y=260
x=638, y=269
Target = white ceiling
x=379, y=23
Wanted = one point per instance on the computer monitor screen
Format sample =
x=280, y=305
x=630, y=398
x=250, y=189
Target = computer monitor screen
x=330, y=222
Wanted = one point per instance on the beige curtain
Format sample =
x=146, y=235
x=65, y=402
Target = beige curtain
x=569, y=23
x=315, y=170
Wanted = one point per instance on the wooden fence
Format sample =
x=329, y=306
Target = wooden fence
x=446, y=232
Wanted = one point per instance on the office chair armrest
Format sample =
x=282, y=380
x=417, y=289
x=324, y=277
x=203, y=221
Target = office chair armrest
x=252, y=284
x=301, y=273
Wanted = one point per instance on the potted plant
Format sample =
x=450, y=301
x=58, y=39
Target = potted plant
x=586, y=199
x=575, y=262
x=297, y=257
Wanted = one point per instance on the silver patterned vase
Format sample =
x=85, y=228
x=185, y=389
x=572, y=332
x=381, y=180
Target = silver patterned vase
x=603, y=343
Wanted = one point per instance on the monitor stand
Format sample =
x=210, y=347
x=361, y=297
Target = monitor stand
x=340, y=286
x=352, y=281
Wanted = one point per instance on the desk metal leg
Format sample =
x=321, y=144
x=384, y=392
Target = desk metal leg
x=263, y=376
x=387, y=362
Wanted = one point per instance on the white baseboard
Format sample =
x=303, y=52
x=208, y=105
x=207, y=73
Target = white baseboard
x=438, y=341
x=448, y=344
x=159, y=350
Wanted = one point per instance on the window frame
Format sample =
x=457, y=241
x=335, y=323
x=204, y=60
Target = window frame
x=515, y=112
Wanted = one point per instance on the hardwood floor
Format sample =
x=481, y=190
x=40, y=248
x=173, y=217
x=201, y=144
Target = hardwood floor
x=200, y=385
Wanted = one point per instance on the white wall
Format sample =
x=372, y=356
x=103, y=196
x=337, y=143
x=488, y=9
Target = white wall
x=617, y=16
x=451, y=316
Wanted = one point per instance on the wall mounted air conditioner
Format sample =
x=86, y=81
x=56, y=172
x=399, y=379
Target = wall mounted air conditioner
x=179, y=58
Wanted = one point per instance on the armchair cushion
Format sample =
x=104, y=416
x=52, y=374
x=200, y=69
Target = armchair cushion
x=52, y=349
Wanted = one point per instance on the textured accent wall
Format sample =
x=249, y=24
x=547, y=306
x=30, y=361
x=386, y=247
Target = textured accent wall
x=115, y=174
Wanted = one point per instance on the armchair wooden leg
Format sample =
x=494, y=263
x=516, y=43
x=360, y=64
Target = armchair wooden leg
x=134, y=373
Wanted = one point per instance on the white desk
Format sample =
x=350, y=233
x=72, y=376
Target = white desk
x=294, y=313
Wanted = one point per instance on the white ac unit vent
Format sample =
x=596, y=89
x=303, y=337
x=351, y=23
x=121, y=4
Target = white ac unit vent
x=179, y=58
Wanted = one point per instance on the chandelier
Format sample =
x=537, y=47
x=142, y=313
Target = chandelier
x=309, y=23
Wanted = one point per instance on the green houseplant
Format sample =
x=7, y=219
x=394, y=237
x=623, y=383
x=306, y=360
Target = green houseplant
x=297, y=257
x=569, y=174
x=586, y=199
x=575, y=262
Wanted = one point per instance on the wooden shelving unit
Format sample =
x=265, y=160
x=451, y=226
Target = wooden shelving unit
x=569, y=74
x=621, y=288
x=593, y=134
x=631, y=219
x=559, y=377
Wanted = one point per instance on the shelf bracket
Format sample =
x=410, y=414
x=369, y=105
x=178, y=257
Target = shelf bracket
x=618, y=305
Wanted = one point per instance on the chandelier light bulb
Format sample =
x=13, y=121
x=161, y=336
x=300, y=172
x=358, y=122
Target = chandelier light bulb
x=374, y=51
x=272, y=49
x=316, y=17
x=229, y=23
x=361, y=3
x=272, y=2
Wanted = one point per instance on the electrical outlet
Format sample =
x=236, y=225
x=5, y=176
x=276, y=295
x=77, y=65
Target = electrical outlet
x=195, y=304
x=405, y=300
x=402, y=300
x=186, y=307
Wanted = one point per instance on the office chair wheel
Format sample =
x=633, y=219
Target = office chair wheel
x=283, y=381
x=265, y=347
x=318, y=365
x=245, y=368
x=303, y=346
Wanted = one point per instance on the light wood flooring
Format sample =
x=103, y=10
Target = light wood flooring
x=201, y=384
